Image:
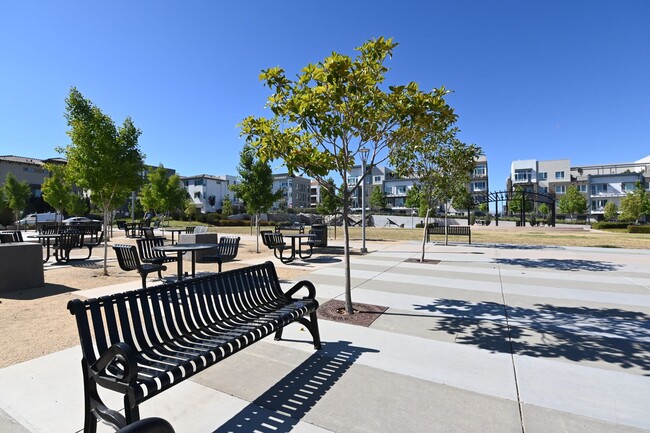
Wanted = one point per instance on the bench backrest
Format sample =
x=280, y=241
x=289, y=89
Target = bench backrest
x=189, y=229
x=147, y=232
x=147, y=317
x=274, y=240
x=70, y=238
x=146, y=247
x=127, y=257
x=228, y=247
x=50, y=229
x=263, y=233
x=11, y=236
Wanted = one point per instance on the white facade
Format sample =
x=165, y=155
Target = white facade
x=204, y=186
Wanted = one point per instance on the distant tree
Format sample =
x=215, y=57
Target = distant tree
x=543, y=209
x=212, y=201
x=635, y=204
x=329, y=202
x=572, y=202
x=56, y=190
x=515, y=202
x=413, y=200
x=256, y=186
x=226, y=206
x=189, y=209
x=378, y=199
x=77, y=205
x=483, y=207
x=16, y=194
x=611, y=211
x=162, y=192
x=463, y=200
x=102, y=159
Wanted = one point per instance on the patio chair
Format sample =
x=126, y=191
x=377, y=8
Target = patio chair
x=127, y=257
x=227, y=251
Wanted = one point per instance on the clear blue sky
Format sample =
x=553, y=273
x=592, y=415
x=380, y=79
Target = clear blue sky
x=531, y=79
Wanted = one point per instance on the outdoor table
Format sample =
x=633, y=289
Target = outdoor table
x=298, y=236
x=179, y=231
x=134, y=229
x=180, y=250
x=48, y=241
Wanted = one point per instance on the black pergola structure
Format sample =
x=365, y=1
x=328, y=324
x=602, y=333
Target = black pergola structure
x=525, y=197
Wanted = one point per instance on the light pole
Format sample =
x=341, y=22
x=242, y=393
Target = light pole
x=364, y=156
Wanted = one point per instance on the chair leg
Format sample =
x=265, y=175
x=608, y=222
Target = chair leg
x=144, y=280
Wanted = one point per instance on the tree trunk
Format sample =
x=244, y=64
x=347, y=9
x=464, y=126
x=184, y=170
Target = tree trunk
x=346, y=260
x=424, y=232
x=257, y=231
x=446, y=224
x=106, y=212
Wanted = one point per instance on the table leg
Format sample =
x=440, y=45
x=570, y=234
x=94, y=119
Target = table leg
x=179, y=266
x=193, y=263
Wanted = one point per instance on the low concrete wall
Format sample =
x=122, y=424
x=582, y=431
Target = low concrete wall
x=202, y=238
x=21, y=266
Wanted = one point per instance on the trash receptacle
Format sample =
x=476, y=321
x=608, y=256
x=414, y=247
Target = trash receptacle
x=320, y=230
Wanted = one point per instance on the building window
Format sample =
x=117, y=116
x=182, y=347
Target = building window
x=543, y=189
x=559, y=175
x=479, y=186
x=628, y=187
x=523, y=175
x=598, y=205
x=198, y=182
x=542, y=175
x=560, y=189
x=401, y=189
x=582, y=188
x=598, y=188
x=479, y=170
x=377, y=179
x=197, y=194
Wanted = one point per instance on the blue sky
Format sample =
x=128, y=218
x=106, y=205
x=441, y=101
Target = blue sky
x=531, y=79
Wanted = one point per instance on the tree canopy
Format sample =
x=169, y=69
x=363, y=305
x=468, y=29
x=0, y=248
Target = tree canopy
x=336, y=109
x=572, y=201
x=162, y=192
x=102, y=158
x=378, y=198
x=635, y=204
x=16, y=194
x=57, y=192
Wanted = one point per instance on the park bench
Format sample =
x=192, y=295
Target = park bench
x=142, y=342
x=148, y=253
x=128, y=259
x=299, y=227
x=11, y=236
x=451, y=231
x=276, y=242
x=226, y=251
x=72, y=239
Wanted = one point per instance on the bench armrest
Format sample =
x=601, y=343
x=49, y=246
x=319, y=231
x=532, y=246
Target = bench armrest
x=299, y=285
x=122, y=354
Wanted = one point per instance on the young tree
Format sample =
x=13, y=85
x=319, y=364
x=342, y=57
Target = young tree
x=543, y=209
x=162, y=192
x=189, y=209
x=635, y=204
x=226, y=207
x=329, y=203
x=378, y=199
x=256, y=186
x=518, y=197
x=572, y=202
x=16, y=194
x=611, y=211
x=212, y=201
x=102, y=158
x=330, y=112
x=56, y=190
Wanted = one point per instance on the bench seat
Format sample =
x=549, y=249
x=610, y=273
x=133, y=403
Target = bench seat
x=451, y=231
x=143, y=342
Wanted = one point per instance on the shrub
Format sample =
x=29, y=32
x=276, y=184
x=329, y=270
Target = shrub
x=638, y=229
x=601, y=225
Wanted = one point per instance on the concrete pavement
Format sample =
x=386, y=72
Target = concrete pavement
x=490, y=339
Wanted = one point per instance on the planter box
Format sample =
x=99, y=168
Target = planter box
x=21, y=266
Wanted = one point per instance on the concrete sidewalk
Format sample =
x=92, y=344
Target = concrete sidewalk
x=489, y=339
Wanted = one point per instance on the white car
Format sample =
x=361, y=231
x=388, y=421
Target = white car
x=79, y=220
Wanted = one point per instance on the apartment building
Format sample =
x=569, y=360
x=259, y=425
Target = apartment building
x=205, y=188
x=601, y=183
x=296, y=190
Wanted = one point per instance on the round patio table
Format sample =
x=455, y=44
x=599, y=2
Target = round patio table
x=180, y=249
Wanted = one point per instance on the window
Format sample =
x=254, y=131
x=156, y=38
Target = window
x=377, y=179
x=628, y=187
x=598, y=204
x=598, y=188
x=478, y=186
x=186, y=183
x=560, y=189
x=197, y=194
x=543, y=189
x=198, y=182
x=479, y=170
x=559, y=175
x=582, y=188
x=542, y=175
x=523, y=175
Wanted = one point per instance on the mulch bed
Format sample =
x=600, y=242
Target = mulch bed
x=425, y=262
x=364, y=314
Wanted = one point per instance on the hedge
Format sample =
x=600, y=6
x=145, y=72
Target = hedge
x=609, y=225
x=638, y=229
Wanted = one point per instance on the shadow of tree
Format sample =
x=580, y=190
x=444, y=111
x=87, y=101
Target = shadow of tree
x=38, y=292
x=608, y=335
x=281, y=407
x=561, y=264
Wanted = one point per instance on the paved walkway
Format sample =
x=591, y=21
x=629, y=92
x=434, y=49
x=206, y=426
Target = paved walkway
x=490, y=339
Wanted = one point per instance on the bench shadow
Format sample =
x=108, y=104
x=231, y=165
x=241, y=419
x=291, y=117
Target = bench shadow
x=38, y=292
x=280, y=408
x=610, y=335
x=561, y=264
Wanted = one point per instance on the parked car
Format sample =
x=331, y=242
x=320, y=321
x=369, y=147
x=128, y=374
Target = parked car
x=79, y=220
x=30, y=220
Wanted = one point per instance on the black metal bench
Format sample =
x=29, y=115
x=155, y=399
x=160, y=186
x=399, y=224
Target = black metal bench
x=149, y=255
x=226, y=251
x=127, y=257
x=451, y=231
x=143, y=342
x=299, y=227
x=72, y=239
x=275, y=242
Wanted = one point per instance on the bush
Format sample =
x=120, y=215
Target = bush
x=639, y=229
x=601, y=225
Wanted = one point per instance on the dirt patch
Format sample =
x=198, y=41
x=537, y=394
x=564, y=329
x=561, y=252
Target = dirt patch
x=364, y=314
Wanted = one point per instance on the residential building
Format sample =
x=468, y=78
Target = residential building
x=374, y=179
x=204, y=188
x=296, y=191
x=601, y=183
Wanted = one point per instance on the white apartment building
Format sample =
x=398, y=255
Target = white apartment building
x=204, y=186
x=296, y=191
x=600, y=184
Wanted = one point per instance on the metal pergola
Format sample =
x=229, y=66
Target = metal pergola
x=525, y=197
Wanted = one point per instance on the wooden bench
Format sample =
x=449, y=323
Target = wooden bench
x=451, y=231
x=143, y=342
x=127, y=258
x=276, y=242
x=226, y=251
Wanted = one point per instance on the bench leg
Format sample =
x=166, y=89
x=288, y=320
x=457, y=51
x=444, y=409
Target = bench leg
x=95, y=409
